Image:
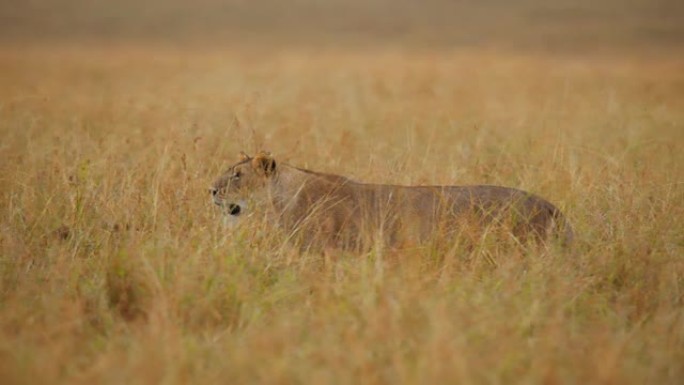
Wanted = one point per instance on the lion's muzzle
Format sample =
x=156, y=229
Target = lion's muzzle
x=215, y=196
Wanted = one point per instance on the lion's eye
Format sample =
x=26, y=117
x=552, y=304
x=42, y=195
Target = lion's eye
x=237, y=175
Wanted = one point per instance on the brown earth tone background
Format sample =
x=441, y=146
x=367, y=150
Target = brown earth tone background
x=116, y=116
x=563, y=25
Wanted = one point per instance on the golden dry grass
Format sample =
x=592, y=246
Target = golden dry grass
x=115, y=267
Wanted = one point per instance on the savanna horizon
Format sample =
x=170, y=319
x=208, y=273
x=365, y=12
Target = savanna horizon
x=116, y=266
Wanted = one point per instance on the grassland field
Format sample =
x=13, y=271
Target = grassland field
x=115, y=266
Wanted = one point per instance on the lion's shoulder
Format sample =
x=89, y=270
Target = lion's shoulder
x=322, y=176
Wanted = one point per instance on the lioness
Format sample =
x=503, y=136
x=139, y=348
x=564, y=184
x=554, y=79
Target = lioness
x=333, y=211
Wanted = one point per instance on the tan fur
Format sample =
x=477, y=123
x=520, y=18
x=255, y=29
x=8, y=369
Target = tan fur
x=329, y=210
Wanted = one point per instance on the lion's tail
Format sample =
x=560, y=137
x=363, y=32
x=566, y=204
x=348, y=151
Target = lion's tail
x=560, y=228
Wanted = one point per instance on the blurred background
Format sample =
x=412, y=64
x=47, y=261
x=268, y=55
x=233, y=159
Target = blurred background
x=560, y=25
x=115, y=117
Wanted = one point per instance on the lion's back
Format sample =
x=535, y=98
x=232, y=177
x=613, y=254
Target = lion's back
x=336, y=208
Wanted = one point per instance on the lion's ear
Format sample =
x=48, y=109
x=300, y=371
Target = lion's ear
x=243, y=156
x=264, y=163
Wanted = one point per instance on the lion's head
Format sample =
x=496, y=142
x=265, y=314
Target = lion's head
x=246, y=181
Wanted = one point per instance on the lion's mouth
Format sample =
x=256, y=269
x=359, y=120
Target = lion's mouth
x=233, y=209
